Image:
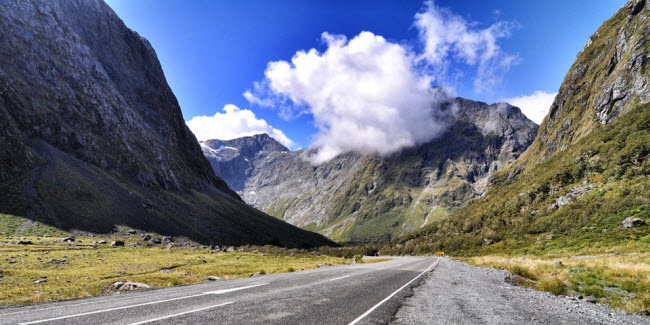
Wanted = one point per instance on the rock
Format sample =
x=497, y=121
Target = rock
x=24, y=242
x=580, y=297
x=510, y=279
x=132, y=232
x=124, y=286
x=167, y=239
x=165, y=271
x=558, y=263
x=575, y=192
x=103, y=242
x=255, y=274
x=591, y=299
x=146, y=238
x=230, y=249
x=156, y=240
x=212, y=278
x=632, y=222
x=522, y=259
x=643, y=312
x=40, y=281
x=117, y=243
x=549, y=237
x=66, y=240
x=487, y=241
x=58, y=261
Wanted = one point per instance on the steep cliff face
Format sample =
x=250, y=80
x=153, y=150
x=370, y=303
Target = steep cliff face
x=609, y=78
x=92, y=136
x=588, y=168
x=369, y=198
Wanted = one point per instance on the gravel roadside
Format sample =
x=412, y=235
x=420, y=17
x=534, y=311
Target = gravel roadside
x=458, y=293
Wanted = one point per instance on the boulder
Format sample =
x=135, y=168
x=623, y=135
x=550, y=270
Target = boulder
x=102, y=242
x=632, y=222
x=146, y=238
x=24, y=242
x=66, y=240
x=124, y=286
x=117, y=243
x=156, y=240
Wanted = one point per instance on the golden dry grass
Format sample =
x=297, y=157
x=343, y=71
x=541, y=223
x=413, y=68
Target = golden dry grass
x=621, y=281
x=88, y=268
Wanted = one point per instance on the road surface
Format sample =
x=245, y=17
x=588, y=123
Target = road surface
x=359, y=294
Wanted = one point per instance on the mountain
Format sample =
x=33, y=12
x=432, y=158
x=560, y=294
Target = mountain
x=587, y=169
x=233, y=159
x=92, y=136
x=362, y=198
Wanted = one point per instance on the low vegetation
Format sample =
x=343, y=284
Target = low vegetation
x=619, y=280
x=48, y=270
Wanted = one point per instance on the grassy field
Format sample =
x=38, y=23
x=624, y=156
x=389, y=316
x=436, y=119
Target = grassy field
x=616, y=276
x=82, y=268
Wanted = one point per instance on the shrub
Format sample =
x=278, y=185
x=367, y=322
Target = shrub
x=553, y=285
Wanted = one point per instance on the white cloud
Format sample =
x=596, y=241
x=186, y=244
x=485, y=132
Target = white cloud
x=534, y=106
x=234, y=123
x=447, y=36
x=365, y=94
x=368, y=94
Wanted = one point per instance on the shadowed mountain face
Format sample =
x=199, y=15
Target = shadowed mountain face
x=369, y=198
x=92, y=136
x=587, y=170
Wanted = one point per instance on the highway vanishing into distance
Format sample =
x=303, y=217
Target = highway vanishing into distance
x=350, y=294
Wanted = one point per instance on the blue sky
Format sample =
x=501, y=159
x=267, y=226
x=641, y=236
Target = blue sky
x=214, y=51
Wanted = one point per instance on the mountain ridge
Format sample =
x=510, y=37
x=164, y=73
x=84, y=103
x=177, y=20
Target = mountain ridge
x=360, y=198
x=93, y=137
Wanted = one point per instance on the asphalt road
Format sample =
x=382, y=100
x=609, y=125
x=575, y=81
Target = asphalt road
x=359, y=294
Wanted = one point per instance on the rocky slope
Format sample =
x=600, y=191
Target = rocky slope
x=369, y=198
x=92, y=136
x=587, y=170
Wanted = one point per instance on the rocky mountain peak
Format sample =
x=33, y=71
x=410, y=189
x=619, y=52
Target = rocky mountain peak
x=368, y=197
x=609, y=78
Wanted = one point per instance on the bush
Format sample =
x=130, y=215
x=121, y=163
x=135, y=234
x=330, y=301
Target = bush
x=553, y=285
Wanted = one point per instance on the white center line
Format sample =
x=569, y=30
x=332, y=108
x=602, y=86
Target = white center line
x=222, y=291
x=339, y=278
x=180, y=314
x=143, y=304
x=392, y=294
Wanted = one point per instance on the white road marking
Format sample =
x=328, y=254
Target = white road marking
x=392, y=294
x=218, y=292
x=116, y=298
x=339, y=278
x=180, y=314
x=143, y=304
x=111, y=309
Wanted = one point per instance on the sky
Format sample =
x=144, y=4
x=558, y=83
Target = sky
x=357, y=75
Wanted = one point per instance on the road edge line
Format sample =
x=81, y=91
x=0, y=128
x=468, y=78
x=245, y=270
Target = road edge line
x=358, y=319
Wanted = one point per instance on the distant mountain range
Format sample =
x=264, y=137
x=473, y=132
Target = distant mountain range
x=92, y=136
x=363, y=198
